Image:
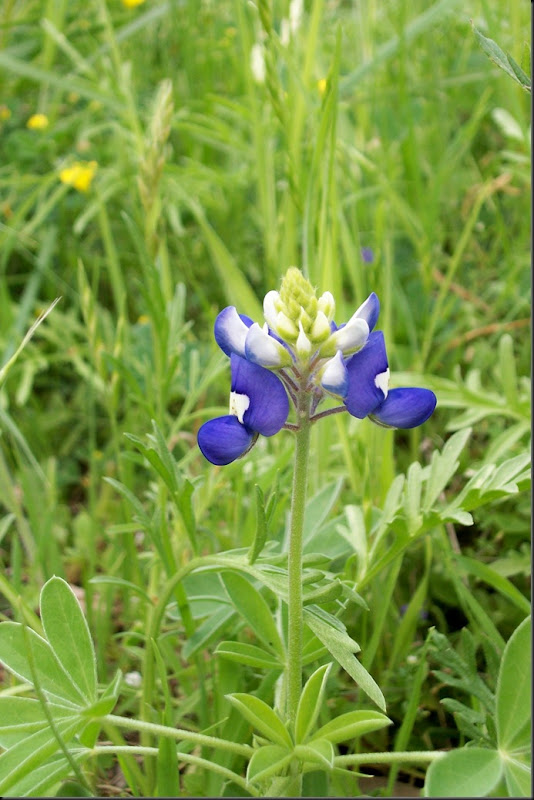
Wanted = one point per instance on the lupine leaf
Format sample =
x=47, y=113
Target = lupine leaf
x=262, y=717
x=310, y=702
x=513, y=696
x=267, y=761
x=351, y=725
x=52, y=677
x=342, y=647
x=249, y=654
x=252, y=606
x=466, y=772
x=68, y=635
x=22, y=716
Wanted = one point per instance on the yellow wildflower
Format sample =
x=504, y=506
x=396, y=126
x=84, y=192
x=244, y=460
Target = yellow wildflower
x=132, y=3
x=321, y=85
x=5, y=112
x=37, y=122
x=79, y=175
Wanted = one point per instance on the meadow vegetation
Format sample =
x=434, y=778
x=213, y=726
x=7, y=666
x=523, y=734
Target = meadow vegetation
x=160, y=161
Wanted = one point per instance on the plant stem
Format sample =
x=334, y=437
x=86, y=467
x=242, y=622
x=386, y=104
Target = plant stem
x=420, y=756
x=179, y=734
x=295, y=616
x=186, y=758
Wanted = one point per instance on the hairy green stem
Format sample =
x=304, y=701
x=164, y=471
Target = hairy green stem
x=179, y=734
x=187, y=758
x=295, y=616
x=420, y=756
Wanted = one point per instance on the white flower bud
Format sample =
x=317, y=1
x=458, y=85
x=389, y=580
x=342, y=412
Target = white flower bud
x=262, y=349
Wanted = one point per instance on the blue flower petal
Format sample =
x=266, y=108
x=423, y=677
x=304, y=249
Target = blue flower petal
x=405, y=408
x=363, y=394
x=224, y=439
x=231, y=331
x=269, y=405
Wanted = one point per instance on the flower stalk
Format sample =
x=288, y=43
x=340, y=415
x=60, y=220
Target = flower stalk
x=298, y=502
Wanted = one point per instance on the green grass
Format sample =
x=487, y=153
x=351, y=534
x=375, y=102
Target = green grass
x=209, y=185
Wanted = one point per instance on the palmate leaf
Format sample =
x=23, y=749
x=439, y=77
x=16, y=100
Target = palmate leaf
x=22, y=716
x=34, y=751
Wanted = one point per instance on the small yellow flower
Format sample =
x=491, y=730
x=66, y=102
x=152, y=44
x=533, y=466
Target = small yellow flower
x=37, y=122
x=132, y=3
x=321, y=85
x=79, y=175
x=5, y=112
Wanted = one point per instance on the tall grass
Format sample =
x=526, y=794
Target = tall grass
x=380, y=150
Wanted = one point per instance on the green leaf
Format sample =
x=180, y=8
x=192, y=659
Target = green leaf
x=412, y=497
x=39, y=780
x=249, y=654
x=513, y=696
x=267, y=761
x=68, y=634
x=467, y=772
x=503, y=60
x=52, y=677
x=518, y=778
x=260, y=535
x=318, y=508
x=251, y=605
x=233, y=282
x=262, y=717
x=443, y=466
x=205, y=632
x=33, y=751
x=501, y=584
x=310, y=702
x=167, y=775
x=319, y=751
x=342, y=647
x=352, y=725
x=21, y=716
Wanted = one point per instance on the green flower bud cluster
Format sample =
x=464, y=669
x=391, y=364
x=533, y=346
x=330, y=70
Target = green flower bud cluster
x=297, y=315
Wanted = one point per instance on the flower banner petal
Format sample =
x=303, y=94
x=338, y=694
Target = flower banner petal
x=406, y=408
x=231, y=331
x=224, y=439
x=369, y=311
x=364, y=394
x=269, y=403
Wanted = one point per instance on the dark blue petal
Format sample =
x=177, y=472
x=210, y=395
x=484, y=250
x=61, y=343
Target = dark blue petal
x=363, y=395
x=406, y=408
x=231, y=330
x=224, y=439
x=269, y=404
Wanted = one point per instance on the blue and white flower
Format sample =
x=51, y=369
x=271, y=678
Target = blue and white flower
x=258, y=404
x=363, y=385
x=300, y=352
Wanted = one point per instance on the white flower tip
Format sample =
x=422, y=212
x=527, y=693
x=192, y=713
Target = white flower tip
x=303, y=345
x=327, y=305
x=382, y=382
x=238, y=405
x=335, y=377
x=262, y=349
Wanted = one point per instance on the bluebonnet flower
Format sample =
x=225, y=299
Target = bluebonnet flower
x=301, y=353
x=258, y=404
